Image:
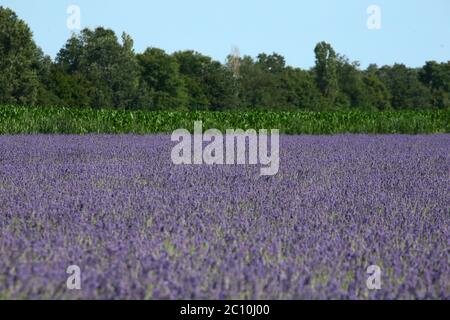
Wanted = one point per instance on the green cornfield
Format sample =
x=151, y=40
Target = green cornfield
x=57, y=120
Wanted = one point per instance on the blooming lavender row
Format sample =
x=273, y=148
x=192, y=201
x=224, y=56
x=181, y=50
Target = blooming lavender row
x=140, y=227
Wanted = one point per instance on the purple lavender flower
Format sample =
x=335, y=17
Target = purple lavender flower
x=140, y=227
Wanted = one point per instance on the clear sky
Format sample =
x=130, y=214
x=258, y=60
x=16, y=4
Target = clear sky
x=412, y=31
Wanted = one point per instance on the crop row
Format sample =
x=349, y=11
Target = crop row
x=52, y=120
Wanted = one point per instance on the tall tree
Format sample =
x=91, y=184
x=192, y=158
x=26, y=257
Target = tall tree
x=162, y=84
x=377, y=94
x=299, y=90
x=325, y=70
x=97, y=69
x=98, y=56
x=209, y=83
x=59, y=88
x=349, y=82
x=436, y=76
x=272, y=63
x=407, y=92
x=257, y=86
x=19, y=61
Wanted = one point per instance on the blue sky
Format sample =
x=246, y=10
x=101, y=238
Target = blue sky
x=412, y=31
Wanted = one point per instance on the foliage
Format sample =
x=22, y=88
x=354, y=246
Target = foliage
x=16, y=120
x=109, y=66
x=326, y=70
x=162, y=86
x=19, y=58
x=96, y=69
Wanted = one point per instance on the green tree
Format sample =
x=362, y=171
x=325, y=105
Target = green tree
x=272, y=63
x=99, y=58
x=352, y=89
x=407, y=92
x=210, y=84
x=59, y=88
x=264, y=83
x=162, y=85
x=299, y=90
x=436, y=76
x=377, y=95
x=19, y=60
x=325, y=70
x=256, y=85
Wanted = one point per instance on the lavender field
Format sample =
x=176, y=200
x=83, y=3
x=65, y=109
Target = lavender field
x=140, y=227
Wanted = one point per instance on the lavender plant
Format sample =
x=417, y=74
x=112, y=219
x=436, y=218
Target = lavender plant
x=140, y=227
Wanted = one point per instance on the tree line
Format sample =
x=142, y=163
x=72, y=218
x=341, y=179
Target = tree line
x=96, y=68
